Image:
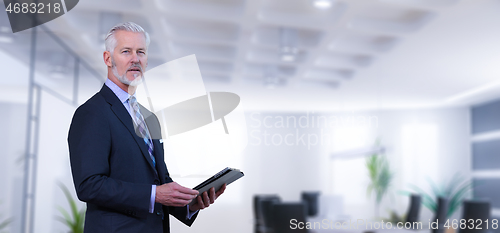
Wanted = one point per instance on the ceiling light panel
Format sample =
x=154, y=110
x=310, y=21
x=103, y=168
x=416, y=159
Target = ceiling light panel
x=214, y=66
x=329, y=74
x=323, y=4
x=273, y=56
x=218, y=9
x=111, y=5
x=389, y=18
x=203, y=51
x=336, y=60
x=315, y=84
x=300, y=13
x=201, y=29
x=270, y=36
x=259, y=69
x=358, y=42
x=424, y=3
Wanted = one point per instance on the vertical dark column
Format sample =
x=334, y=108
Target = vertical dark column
x=28, y=197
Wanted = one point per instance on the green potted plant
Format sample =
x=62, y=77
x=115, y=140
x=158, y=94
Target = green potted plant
x=381, y=177
x=455, y=191
x=76, y=220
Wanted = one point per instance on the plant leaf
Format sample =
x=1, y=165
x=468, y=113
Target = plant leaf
x=454, y=182
x=75, y=220
x=64, y=213
x=405, y=193
x=5, y=223
x=455, y=191
x=435, y=190
x=427, y=200
x=458, y=196
x=380, y=176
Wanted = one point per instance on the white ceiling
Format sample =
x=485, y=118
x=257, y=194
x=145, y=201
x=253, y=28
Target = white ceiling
x=357, y=54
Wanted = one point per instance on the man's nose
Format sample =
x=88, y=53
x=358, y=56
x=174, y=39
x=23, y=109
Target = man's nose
x=135, y=58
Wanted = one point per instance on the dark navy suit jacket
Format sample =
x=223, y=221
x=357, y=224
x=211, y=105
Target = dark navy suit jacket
x=112, y=169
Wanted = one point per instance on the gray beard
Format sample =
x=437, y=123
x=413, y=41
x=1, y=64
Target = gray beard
x=123, y=78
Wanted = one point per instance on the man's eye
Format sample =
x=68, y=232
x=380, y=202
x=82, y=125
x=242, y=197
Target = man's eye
x=125, y=51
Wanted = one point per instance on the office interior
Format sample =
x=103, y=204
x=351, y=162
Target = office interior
x=327, y=88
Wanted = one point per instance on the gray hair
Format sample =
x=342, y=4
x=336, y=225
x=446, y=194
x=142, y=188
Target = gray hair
x=110, y=40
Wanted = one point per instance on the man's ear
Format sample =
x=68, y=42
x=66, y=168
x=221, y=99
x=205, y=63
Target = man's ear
x=107, y=58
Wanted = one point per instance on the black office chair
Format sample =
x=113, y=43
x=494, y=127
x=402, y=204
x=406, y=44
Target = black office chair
x=284, y=213
x=475, y=210
x=414, y=209
x=311, y=199
x=262, y=209
x=442, y=211
x=256, y=208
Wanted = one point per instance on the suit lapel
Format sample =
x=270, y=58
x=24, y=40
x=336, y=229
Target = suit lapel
x=121, y=112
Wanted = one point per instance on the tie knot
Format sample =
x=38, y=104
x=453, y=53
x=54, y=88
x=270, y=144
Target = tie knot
x=133, y=102
x=132, y=99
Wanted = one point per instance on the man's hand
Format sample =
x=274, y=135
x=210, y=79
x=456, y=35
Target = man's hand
x=205, y=199
x=173, y=194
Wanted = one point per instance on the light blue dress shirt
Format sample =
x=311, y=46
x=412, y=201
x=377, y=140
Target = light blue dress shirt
x=124, y=96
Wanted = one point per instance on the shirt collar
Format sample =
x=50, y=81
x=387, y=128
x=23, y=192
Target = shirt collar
x=120, y=93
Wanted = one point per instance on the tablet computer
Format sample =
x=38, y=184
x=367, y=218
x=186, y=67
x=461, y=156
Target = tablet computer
x=226, y=176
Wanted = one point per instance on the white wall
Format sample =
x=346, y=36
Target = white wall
x=53, y=164
x=12, y=140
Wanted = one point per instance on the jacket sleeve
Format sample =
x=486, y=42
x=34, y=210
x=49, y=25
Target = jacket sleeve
x=89, y=142
x=180, y=213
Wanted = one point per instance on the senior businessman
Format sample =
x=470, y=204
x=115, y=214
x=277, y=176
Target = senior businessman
x=117, y=164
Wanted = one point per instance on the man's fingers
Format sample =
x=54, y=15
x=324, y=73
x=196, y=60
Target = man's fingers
x=181, y=203
x=173, y=194
x=187, y=190
x=221, y=191
x=206, y=199
x=200, y=203
x=178, y=202
x=187, y=193
x=212, y=195
x=183, y=196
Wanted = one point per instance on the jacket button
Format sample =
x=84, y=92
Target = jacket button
x=158, y=213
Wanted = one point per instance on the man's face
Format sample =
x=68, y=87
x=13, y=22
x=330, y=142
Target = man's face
x=129, y=58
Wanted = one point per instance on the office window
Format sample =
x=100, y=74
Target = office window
x=349, y=175
x=419, y=153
